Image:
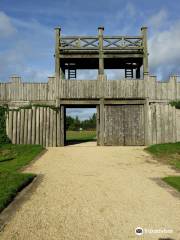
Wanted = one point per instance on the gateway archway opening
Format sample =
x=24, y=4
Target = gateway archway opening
x=81, y=124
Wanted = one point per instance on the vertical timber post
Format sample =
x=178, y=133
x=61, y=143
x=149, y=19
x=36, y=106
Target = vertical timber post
x=147, y=128
x=62, y=125
x=57, y=59
x=145, y=51
x=101, y=84
x=101, y=58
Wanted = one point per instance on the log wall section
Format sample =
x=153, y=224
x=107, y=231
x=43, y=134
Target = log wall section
x=36, y=125
x=163, y=120
x=16, y=90
x=45, y=125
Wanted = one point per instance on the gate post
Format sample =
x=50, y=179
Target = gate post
x=98, y=123
x=101, y=57
x=147, y=127
x=62, y=123
x=101, y=140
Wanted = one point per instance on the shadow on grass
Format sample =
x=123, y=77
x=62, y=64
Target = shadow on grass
x=6, y=159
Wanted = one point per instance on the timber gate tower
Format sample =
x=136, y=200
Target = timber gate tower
x=132, y=110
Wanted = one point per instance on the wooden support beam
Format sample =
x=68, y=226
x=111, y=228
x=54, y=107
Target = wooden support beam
x=57, y=58
x=145, y=51
x=101, y=58
x=101, y=135
x=97, y=123
x=147, y=128
x=62, y=125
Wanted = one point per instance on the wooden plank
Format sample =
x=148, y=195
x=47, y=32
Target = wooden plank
x=18, y=128
x=51, y=128
x=159, y=123
x=41, y=125
x=33, y=138
x=44, y=126
x=14, y=124
x=58, y=128
x=54, y=128
x=25, y=125
x=37, y=126
x=29, y=133
x=101, y=142
x=62, y=136
x=47, y=126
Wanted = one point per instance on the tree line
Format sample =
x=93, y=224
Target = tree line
x=75, y=124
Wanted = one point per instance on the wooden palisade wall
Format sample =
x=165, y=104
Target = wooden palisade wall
x=16, y=90
x=34, y=125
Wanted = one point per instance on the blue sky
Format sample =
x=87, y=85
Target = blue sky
x=27, y=31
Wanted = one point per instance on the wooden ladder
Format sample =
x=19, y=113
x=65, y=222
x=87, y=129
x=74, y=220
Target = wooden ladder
x=72, y=73
x=128, y=72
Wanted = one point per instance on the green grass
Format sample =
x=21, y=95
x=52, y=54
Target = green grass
x=12, y=159
x=80, y=136
x=174, y=181
x=168, y=153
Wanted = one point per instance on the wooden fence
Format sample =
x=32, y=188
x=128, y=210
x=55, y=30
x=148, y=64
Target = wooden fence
x=34, y=125
x=163, y=120
x=16, y=90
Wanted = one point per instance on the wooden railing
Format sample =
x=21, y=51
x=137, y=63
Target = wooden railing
x=79, y=42
x=115, y=42
x=123, y=42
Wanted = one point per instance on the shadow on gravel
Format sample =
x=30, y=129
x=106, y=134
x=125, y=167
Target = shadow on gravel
x=74, y=142
x=166, y=239
x=168, y=188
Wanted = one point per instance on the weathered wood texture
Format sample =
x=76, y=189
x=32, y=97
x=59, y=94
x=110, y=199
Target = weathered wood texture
x=124, y=125
x=37, y=125
x=90, y=89
x=178, y=125
x=159, y=90
x=21, y=91
x=163, y=119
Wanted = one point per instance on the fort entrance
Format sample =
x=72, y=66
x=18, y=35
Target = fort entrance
x=132, y=109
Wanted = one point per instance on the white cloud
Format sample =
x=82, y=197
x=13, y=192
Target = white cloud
x=6, y=27
x=158, y=19
x=164, y=48
x=30, y=54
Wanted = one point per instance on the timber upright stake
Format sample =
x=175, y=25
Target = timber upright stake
x=101, y=58
x=57, y=59
x=101, y=79
x=145, y=51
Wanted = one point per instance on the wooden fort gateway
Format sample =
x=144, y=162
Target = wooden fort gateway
x=131, y=110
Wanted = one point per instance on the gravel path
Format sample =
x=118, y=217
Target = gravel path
x=96, y=193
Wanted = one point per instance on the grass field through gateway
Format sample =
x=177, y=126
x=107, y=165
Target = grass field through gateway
x=80, y=136
x=168, y=153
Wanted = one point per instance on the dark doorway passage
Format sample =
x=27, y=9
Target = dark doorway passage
x=81, y=124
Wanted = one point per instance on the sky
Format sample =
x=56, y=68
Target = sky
x=27, y=32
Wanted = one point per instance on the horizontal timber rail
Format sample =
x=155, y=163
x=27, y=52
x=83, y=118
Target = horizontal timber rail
x=109, y=42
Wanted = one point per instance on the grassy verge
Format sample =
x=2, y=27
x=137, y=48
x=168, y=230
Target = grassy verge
x=12, y=159
x=174, y=181
x=80, y=136
x=168, y=153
